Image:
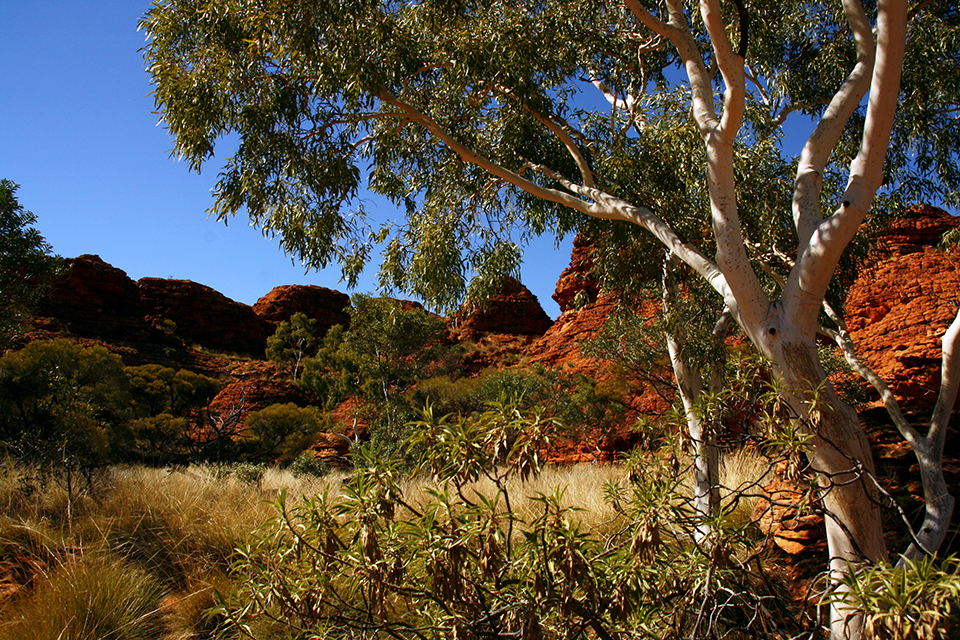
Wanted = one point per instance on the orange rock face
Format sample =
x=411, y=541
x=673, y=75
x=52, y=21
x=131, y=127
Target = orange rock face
x=577, y=276
x=238, y=399
x=326, y=306
x=205, y=316
x=513, y=311
x=901, y=304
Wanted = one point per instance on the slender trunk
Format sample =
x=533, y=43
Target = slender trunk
x=706, y=474
x=840, y=454
x=706, y=464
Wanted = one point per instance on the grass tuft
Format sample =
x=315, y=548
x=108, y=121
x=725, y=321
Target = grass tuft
x=89, y=599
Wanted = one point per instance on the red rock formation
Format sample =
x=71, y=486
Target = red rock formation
x=902, y=303
x=238, y=399
x=560, y=345
x=326, y=306
x=95, y=299
x=514, y=311
x=205, y=316
x=577, y=277
x=779, y=516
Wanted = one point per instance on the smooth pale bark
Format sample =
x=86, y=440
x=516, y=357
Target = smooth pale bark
x=785, y=330
x=690, y=385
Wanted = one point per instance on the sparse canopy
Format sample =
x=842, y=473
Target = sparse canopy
x=644, y=122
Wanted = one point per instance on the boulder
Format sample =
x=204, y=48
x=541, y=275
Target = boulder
x=204, y=316
x=326, y=306
x=512, y=311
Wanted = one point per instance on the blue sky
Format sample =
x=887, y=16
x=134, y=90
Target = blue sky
x=78, y=134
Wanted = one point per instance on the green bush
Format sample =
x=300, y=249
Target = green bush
x=63, y=404
x=155, y=389
x=307, y=465
x=917, y=600
x=279, y=432
x=444, y=557
x=447, y=395
x=162, y=439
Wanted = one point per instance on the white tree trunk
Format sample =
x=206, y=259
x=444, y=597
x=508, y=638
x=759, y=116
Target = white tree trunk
x=841, y=455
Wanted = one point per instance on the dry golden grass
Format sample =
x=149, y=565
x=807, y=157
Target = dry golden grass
x=177, y=529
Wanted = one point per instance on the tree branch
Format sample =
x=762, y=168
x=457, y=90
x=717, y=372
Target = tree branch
x=604, y=206
x=586, y=173
x=817, y=150
x=818, y=257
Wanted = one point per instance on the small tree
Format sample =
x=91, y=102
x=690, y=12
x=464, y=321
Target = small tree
x=63, y=408
x=386, y=350
x=26, y=265
x=292, y=342
x=155, y=389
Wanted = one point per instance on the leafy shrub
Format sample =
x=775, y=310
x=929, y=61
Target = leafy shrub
x=917, y=600
x=249, y=473
x=162, y=439
x=463, y=563
x=307, y=465
x=155, y=390
x=63, y=404
x=279, y=432
x=447, y=395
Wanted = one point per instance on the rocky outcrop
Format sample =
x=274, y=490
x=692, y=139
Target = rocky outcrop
x=902, y=303
x=560, y=345
x=96, y=300
x=238, y=399
x=326, y=306
x=205, y=316
x=513, y=311
x=578, y=277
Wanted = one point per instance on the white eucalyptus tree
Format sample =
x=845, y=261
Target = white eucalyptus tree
x=479, y=118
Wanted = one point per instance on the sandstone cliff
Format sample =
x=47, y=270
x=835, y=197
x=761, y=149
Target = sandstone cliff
x=902, y=303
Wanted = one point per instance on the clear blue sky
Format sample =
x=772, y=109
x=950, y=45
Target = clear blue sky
x=78, y=134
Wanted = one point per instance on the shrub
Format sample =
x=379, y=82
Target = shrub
x=307, y=465
x=63, y=404
x=162, y=439
x=916, y=600
x=279, y=432
x=444, y=558
x=155, y=389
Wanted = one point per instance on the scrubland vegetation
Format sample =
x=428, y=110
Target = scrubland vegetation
x=131, y=509
x=119, y=506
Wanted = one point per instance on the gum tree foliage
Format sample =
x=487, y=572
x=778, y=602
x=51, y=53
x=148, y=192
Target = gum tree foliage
x=25, y=263
x=649, y=124
x=293, y=341
x=378, y=359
